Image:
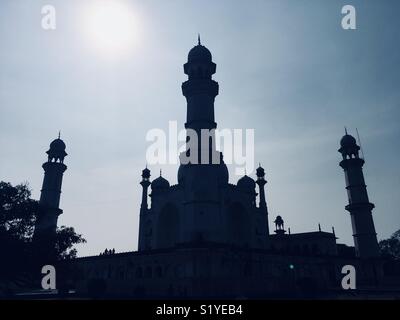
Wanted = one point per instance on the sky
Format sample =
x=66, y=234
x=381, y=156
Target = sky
x=286, y=69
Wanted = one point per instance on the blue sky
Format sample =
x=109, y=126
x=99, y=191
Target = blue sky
x=285, y=68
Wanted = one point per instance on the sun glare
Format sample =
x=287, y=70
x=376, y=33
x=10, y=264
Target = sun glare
x=111, y=27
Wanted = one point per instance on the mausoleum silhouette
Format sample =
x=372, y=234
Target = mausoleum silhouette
x=205, y=237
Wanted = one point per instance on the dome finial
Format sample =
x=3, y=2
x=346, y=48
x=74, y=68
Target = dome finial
x=160, y=173
x=345, y=130
x=59, y=134
x=198, y=39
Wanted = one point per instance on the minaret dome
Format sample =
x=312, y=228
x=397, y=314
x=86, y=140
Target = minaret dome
x=56, y=151
x=349, y=147
x=199, y=65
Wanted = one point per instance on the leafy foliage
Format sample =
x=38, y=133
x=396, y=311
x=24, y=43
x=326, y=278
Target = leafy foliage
x=65, y=239
x=18, y=214
x=391, y=247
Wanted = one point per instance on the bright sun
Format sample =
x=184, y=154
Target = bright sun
x=110, y=26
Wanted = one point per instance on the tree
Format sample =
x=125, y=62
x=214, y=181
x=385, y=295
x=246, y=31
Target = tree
x=391, y=247
x=65, y=239
x=17, y=212
x=17, y=223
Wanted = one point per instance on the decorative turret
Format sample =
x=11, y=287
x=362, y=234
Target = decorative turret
x=261, y=182
x=145, y=184
x=279, y=226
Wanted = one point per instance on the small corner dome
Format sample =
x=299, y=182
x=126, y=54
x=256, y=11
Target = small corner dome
x=279, y=220
x=160, y=183
x=260, y=171
x=146, y=173
x=348, y=141
x=199, y=53
x=246, y=183
x=146, y=170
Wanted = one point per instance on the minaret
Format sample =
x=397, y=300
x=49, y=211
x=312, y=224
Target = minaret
x=261, y=183
x=145, y=184
x=202, y=173
x=200, y=91
x=46, y=223
x=143, y=207
x=360, y=208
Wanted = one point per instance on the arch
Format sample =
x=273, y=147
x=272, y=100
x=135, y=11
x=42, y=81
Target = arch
x=239, y=225
x=168, y=226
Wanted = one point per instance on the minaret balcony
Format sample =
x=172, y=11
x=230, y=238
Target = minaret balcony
x=352, y=163
x=355, y=207
x=200, y=86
